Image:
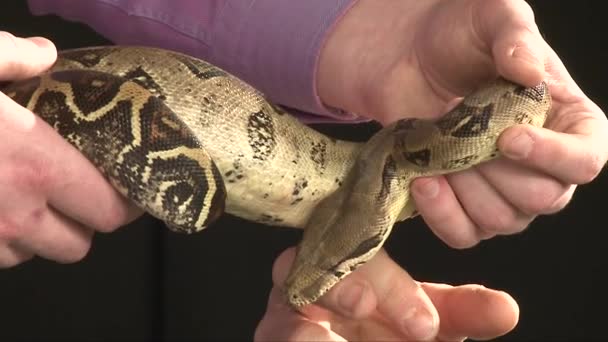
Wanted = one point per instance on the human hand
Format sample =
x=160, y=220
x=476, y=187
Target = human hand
x=380, y=301
x=418, y=58
x=53, y=198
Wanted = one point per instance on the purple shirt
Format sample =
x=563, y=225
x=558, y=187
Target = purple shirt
x=272, y=44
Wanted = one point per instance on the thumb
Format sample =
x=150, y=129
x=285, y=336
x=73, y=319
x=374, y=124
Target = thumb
x=518, y=49
x=24, y=57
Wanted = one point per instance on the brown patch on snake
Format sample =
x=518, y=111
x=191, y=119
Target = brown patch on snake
x=92, y=91
x=404, y=125
x=420, y=158
x=236, y=173
x=361, y=249
x=298, y=189
x=51, y=107
x=523, y=118
x=261, y=133
x=473, y=121
x=185, y=183
x=201, y=69
x=536, y=93
x=460, y=162
x=141, y=77
x=210, y=104
x=318, y=154
x=389, y=173
x=270, y=219
x=87, y=57
x=164, y=127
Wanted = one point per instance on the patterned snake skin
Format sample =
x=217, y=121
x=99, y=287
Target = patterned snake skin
x=187, y=141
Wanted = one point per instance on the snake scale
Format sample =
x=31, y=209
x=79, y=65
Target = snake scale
x=187, y=141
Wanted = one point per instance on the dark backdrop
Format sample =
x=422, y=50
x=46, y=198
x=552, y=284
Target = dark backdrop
x=143, y=283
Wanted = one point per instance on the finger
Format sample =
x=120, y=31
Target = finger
x=472, y=311
x=571, y=158
x=54, y=236
x=530, y=191
x=11, y=256
x=280, y=323
x=52, y=166
x=442, y=212
x=23, y=58
x=485, y=205
x=379, y=285
x=508, y=27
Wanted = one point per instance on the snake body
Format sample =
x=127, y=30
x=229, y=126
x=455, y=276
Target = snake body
x=186, y=141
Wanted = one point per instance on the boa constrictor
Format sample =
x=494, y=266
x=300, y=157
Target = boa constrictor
x=185, y=141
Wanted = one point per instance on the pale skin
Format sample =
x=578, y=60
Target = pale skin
x=381, y=302
x=405, y=58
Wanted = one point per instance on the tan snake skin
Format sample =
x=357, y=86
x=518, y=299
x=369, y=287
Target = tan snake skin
x=187, y=141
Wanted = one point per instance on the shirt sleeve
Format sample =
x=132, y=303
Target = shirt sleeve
x=272, y=44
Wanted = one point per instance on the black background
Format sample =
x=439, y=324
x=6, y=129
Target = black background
x=144, y=283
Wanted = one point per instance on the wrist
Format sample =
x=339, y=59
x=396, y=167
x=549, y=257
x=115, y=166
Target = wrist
x=359, y=56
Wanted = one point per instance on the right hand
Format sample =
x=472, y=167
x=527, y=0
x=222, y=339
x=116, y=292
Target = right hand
x=52, y=199
x=380, y=301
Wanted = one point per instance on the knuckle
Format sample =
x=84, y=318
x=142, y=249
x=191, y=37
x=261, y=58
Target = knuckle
x=9, y=231
x=36, y=218
x=561, y=202
x=76, y=253
x=115, y=217
x=501, y=222
x=452, y=230
x=108, y=224
x=30, y=175
x=8, y=263
x=8, y=40
x=10, y=257
x=462, y=241
x=540, y=197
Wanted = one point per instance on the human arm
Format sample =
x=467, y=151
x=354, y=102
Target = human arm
x=420, y=58
x=274, y=45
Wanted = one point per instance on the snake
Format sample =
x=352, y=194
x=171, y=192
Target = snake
x=187, y=141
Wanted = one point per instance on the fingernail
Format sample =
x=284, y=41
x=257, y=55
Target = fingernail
x=420, y=325
x=349, y=297
x=428, y=188
x=519, y=147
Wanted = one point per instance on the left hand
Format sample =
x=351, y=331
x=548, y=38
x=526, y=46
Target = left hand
x=381, y=302
x=393, y=58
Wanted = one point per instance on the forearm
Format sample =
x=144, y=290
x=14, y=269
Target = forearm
x=273, y=44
